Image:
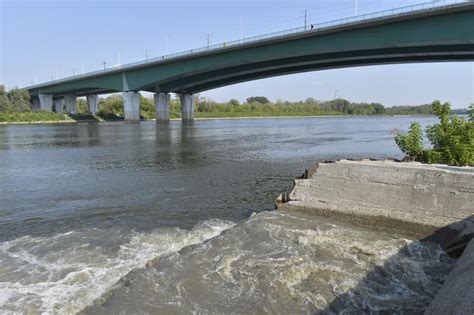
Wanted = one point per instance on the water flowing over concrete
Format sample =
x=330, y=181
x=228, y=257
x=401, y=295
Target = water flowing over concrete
x=432, y=201
x=286, y=263
x=413, y=197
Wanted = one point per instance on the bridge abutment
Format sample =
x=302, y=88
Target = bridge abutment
x=58, y=105
x=70, y=102
x=162, y=104
x=187, y=107
x=92, y=105
x=46, y=102
x=131, y=106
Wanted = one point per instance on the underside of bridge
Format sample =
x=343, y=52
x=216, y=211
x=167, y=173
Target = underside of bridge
x=428, y=36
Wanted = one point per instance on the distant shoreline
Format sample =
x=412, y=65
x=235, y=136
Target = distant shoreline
x=72, y=121
x=39, y=122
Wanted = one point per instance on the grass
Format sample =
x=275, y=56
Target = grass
x=36, y=117
x=32, y=117
x=263, y=114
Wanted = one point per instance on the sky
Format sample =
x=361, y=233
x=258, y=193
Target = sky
x=41, y=40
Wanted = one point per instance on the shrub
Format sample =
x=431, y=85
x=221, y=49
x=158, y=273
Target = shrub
x=452, y=139
x=411, y=143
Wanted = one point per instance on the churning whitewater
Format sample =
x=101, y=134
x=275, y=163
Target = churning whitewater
x=65, y=273
x=285, y=263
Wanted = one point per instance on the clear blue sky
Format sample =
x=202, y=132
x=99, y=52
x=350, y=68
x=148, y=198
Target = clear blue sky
x=42, y=38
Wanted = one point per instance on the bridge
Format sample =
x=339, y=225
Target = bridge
x=429, y=32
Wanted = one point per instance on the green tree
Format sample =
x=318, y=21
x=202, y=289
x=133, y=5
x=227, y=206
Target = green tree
x=234, y=102
x=111, y=107
x=147, y=108
x=258, y=99
x=5, y=104
x=411, y=143
x=82, y=107
x=452, y=139
x=20, y=100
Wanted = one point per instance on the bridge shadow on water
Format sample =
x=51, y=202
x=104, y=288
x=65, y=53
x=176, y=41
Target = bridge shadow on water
x=380, y=291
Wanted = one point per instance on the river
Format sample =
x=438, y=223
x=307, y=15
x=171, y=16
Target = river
x=83, y=209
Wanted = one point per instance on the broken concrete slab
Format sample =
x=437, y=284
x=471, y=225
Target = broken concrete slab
x=415, y=198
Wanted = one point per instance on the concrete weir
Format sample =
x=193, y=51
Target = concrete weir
x=428, y=202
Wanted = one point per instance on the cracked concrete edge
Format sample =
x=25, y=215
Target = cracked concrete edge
x=447, y=227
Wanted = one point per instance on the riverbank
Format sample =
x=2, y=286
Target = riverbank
x=34, y=118
x=26, y=118
x=53, y=118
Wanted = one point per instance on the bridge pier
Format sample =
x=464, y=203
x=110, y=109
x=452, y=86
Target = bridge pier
x=71, y=104
x=35, y=104
x=46, y=102
x=58, y=105
x=187, y=107
x=92, y=105
x=131, y=106
x=162, y=104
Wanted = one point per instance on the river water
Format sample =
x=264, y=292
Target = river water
x=84, y=208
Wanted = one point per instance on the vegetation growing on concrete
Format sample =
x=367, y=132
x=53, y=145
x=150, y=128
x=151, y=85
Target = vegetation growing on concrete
x=452, y=139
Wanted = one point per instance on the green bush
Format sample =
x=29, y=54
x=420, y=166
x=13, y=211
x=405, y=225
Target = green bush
x=411, y=143
x=111, y=106
x=452, y=139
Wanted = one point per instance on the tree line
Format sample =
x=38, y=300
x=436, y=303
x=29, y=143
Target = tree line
x=111, y=107
x=260, y=106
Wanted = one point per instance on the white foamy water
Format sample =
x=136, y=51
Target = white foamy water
x=286, y=263
x=64, y=273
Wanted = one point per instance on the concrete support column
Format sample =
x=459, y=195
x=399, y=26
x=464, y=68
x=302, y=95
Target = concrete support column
x=35, y=104
x=162, y=104
x=46, y=102
x=92, y=105
x=70, y=103
x=58, y=105
x=131, y=106
x=187, y=107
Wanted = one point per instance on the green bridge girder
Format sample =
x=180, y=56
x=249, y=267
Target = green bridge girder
x=428, y=36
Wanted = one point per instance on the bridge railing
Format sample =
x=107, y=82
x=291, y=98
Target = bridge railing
x=420, y=7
